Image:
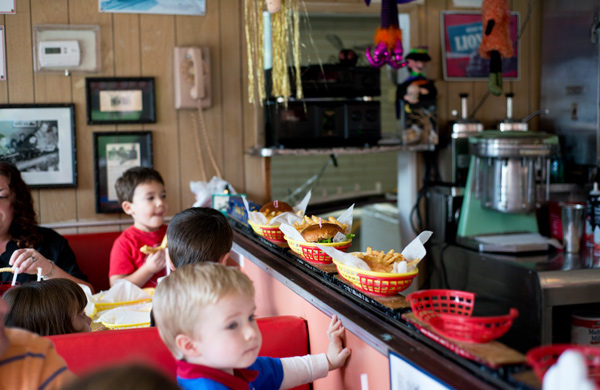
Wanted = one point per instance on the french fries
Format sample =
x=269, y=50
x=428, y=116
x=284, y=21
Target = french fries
x=147, y=250
x=380, y=261
x=314, y=220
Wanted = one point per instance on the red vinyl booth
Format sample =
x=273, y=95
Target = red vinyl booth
x=92, y=251
x=283, y=336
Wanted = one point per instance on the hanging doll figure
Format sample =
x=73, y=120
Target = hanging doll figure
x=416, y=100
x=388, y=37
x=495, y=42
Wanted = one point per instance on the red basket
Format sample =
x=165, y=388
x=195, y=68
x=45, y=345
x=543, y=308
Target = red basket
x=431, y=303
x=316, y=255
x=273, y=234
x=541, y=358
x=473, y=329
x=5, y=286
x=449, y=312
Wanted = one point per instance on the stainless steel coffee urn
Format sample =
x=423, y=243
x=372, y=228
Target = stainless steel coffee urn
x=461, y=130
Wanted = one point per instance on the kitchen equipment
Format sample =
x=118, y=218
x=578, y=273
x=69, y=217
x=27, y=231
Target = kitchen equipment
x=510, y=124
x=501, y=191
x=572, y=217
x=461, y=130
x=443, y=209
x=569, y=82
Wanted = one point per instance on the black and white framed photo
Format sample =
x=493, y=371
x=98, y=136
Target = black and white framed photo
x=120, y=100
x=114, y=153
x=39, y=139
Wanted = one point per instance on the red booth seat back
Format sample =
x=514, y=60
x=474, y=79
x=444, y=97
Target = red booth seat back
x=283, y=336
x=92, y=251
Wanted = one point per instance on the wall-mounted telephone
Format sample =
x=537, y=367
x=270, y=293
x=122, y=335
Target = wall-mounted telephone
x=192, y=77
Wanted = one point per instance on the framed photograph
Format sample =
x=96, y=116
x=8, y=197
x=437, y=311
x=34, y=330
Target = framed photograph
x=120, y=100
x=461, y=36
x=188, y=7
x=39, y=139
x=114, y=153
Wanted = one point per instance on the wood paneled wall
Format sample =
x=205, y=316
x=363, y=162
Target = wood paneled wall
x=142, y=45
x=137, y=45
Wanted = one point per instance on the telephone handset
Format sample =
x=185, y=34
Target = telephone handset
x=192, y=90
x=192, y=77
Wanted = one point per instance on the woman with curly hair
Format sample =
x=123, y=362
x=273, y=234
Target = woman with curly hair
x=26, y=245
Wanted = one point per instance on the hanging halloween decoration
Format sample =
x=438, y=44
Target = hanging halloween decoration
x=416, y=101
x=282, y=19
x=388, y=37
x=495, y=42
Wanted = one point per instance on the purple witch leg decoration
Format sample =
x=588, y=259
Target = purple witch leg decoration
x=388, y=37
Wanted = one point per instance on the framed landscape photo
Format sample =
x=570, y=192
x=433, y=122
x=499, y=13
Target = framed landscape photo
x=461, y=36
x=120, y=100
x=39, y=139
x=114, y=153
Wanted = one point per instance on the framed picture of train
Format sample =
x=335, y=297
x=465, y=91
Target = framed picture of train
x=39, y=139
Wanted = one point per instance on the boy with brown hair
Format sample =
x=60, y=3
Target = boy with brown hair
x=199, y=234
x=205, y=316
x=141, y=192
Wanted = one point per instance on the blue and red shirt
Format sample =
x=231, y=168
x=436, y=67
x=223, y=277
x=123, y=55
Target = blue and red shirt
x=264, y=374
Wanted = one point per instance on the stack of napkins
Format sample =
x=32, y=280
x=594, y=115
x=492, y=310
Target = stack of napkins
x=126, y=315
x=122, y=291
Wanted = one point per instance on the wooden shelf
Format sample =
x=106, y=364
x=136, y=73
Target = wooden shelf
x=259, y=151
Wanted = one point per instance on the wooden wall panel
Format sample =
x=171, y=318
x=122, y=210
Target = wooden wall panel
x=84, y=12
x=53, y=88
x=157, y=33
x=230, y=50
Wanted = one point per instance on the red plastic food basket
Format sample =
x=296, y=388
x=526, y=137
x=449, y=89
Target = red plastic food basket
x=5, y=286
x=449, y=312
x=473, y=329
x=431, y=303
x=541, y=358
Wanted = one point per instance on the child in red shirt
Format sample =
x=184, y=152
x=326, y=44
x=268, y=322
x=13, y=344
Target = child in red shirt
x=142, y=195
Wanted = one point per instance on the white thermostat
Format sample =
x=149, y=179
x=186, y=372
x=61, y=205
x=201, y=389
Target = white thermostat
x=59, y=54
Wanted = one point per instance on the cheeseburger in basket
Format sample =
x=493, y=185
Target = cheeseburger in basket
x=304, y=236
x=266, y=221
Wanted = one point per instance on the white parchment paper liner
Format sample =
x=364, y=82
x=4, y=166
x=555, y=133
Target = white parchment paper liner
x=259, y=218
x=414, y=250
x=346, y=217
x=126, y=315
x=122, y=291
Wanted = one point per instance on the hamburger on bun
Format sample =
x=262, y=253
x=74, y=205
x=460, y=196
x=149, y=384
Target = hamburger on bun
x=277, y=207
x=323, y=233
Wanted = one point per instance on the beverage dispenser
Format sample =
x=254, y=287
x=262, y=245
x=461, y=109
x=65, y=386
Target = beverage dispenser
x=505, y=172
x=461, y=130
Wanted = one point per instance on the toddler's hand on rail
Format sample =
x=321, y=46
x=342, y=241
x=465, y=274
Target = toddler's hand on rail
x=337, y=354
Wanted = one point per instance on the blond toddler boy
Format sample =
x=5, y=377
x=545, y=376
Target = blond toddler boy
x=205, y=316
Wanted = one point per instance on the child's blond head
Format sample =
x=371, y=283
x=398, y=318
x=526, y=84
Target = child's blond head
x=179, y=299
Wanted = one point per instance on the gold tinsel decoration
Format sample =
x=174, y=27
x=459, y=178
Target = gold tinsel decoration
x=285, y=32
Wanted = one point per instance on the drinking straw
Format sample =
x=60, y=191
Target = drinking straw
x=168, y=272
x=39, y=274
x=15, y=273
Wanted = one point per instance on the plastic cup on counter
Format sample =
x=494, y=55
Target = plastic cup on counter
x=572, y=217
